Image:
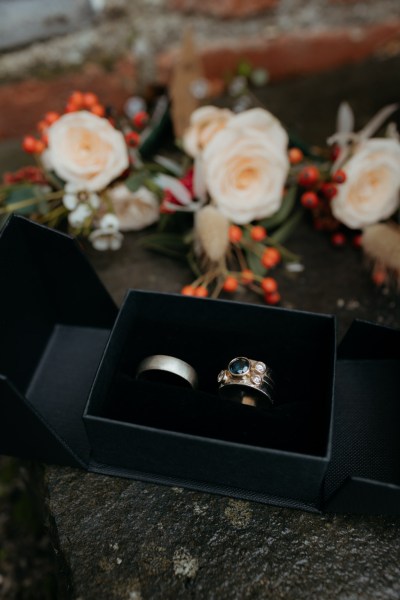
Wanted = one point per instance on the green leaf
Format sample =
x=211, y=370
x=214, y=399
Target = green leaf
x=282, y=234
x=26, y=199
x=244, y=68
x=168, y=241
x=254, y=263
x=161, y=134
x=135, y=181
x=166, y=251
x=153, y=187
x=283, y=213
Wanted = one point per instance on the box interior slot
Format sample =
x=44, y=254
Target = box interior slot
x=61, y=384
x=298, y=347
x=366, y=426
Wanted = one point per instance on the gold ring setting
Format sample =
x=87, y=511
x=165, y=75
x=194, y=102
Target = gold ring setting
x=247, y=381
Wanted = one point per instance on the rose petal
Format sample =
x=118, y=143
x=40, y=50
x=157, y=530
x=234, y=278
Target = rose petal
x=86, y=151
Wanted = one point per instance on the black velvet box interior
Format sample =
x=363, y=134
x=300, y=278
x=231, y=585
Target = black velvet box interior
x=68, y=392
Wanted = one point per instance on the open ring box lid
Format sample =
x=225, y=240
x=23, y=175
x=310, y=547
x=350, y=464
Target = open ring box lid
x=65, y=352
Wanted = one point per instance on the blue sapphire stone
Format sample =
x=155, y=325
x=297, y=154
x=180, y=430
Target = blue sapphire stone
x=239, y=366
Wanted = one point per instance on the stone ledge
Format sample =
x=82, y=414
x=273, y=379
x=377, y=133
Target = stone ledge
x=128, y=540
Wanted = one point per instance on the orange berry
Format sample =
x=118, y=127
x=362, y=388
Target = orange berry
x=42, y=126
x=235, y=234
x=247, y=276
x=39, y=147
x=51, y=117
x=29, y=144
x=273, y=298
x=188, y=290
x=71, y=107
x=98, y=109
x=309, y=200
x=258, y=233
x=141, y=119
x=230, y=284
x=338, y=239
x=90, y=100
x=76, y=98
x=201, y=291
x=269, y=285
x=357, y=240
x=295, y=156
x=308, y=176
x=329, y=190
x=379, y=277
x=132, y=139
x=270, y=258
x=339, y=177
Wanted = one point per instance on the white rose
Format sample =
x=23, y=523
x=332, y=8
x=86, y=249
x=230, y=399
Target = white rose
x=371, y=190
x=245, y=172
x=86, y=150
x=264, y=122
x=134, y=210
x=205, y=122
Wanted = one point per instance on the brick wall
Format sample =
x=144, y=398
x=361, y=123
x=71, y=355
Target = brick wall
x=116, y=46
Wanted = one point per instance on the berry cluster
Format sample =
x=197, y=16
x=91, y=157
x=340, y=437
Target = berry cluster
x=77, y=101
x=229, y=281
x=317, y=191
x=29, y=174
x=139, y=122
x=82, y=101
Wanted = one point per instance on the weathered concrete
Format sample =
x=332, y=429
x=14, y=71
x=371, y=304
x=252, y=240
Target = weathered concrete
x=126, y=540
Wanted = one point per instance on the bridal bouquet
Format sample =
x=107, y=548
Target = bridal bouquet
x=226, y=198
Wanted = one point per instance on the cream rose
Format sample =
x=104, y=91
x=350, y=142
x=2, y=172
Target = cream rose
x=371, y=190
x=205, y=122
x=245, y=172
x=264, y=122
x=86, y=150
x=134, y=210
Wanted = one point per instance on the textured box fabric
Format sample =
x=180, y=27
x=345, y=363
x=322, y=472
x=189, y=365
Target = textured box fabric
x=68, y=392
x=55, y=321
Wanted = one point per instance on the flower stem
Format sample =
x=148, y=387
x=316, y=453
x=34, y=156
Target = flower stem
x=241, y=258
x=29, y=202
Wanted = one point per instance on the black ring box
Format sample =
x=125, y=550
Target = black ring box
x=69, y=396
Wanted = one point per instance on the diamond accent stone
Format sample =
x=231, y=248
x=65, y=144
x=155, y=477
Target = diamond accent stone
x=239, y=366
x=256, y=379
x=221, y=377
x=261, y=367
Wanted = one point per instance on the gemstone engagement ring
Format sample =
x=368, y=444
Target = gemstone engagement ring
x=247, y=381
